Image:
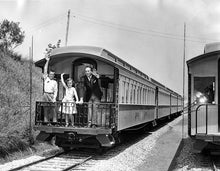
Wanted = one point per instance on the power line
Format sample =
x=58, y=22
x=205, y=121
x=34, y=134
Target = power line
x=138, y=30
x=120, y=25
x=47, y=22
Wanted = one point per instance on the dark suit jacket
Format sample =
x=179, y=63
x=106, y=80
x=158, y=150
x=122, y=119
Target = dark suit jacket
x=90, y=87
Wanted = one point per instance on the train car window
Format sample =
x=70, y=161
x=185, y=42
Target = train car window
x=131, y=92
x=141, y=98
x=123, y=92
x=145, y=95
x=127, y=91
x=134, y=95
x=204, y=89
x=147, y=100
x=149, y=95
x=140, y=95
x=153, y=96
x=137, y=94
x=107, y=86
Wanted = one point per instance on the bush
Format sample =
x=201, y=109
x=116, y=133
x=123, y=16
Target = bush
x=10, y=144
x=14, y=102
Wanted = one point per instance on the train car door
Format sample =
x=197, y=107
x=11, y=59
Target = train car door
x=78, y=70
x=218, y=81
x=189, y=102
x=204, y=92
x=156, y=102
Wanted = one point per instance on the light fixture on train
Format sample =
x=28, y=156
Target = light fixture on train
x=203, y=99
x=199, y=94
x=200, y=98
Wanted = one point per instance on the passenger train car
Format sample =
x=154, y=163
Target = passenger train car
x=203, y=102
x=131, y=99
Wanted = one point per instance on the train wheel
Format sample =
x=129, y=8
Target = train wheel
x=53, y=140
x=118, y=137
x=66, y=149
x=101, y=150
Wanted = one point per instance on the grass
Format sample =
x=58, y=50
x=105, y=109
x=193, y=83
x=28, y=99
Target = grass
x=14, y=105
x=38, y=148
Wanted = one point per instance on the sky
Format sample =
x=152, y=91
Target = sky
x=149, y=34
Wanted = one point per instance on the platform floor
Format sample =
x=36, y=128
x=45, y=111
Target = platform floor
x=166, y=147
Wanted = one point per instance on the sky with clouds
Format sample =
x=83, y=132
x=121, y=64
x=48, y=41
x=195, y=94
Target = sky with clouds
x=146, y=33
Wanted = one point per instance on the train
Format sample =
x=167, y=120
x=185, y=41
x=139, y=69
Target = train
x=203, y=103
x=131, y=100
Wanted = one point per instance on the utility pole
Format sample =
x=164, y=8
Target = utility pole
x=31, y=63
x=67, y=27
x=184, y=56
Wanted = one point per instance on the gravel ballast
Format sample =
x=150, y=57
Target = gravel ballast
x=154, y=152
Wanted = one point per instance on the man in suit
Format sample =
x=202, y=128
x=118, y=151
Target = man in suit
x=92, y=95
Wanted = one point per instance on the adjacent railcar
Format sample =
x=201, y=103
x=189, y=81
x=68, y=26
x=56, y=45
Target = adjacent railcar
x=131, y=99
x=203, y=103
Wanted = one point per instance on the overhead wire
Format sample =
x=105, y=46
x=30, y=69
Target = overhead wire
x=138, y=30
x=47, y=22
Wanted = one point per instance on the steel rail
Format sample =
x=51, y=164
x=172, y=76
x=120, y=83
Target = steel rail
x=36, y=162
x=78, y=164
x=215, y=168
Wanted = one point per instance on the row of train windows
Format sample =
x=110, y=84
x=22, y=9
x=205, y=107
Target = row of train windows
x=134, y=93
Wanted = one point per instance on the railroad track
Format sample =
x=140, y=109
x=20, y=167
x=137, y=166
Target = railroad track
x=208, y=162
x=215, y=163
x=59, y=162
x=82, y=160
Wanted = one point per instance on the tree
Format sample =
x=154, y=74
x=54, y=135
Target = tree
x=51, y=47
x=11, y=35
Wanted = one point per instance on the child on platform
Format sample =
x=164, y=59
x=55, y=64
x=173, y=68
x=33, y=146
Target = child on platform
x=69, y=103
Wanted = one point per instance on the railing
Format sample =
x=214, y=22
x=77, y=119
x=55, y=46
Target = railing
x=105, y=112
x=207, y=117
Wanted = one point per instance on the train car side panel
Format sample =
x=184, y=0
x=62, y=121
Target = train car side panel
x=163, y=103
x=132, y=115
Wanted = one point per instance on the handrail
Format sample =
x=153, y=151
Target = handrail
x=206, y=115
x=107, y=113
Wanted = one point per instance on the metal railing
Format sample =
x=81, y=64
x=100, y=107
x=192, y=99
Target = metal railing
x=206, y=116
x=105, y=112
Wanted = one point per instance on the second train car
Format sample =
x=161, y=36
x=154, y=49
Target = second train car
x=131, y=99
x=203, y=102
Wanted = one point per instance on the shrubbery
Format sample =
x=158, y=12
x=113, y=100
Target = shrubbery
x=14, y=102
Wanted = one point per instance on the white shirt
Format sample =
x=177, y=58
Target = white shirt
x=89, y=77
x=70, y=93
x=50, y=86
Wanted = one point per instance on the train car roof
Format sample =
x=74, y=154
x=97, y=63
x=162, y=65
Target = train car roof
x=203, y=56
x=57, y=54
x=210, y=50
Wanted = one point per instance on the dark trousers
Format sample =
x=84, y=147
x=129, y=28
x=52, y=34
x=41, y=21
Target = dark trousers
x=93, y=115
x=50, y=110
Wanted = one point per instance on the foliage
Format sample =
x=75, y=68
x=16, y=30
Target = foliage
x=11, y=35
x=14, y=98
x=51, y=47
